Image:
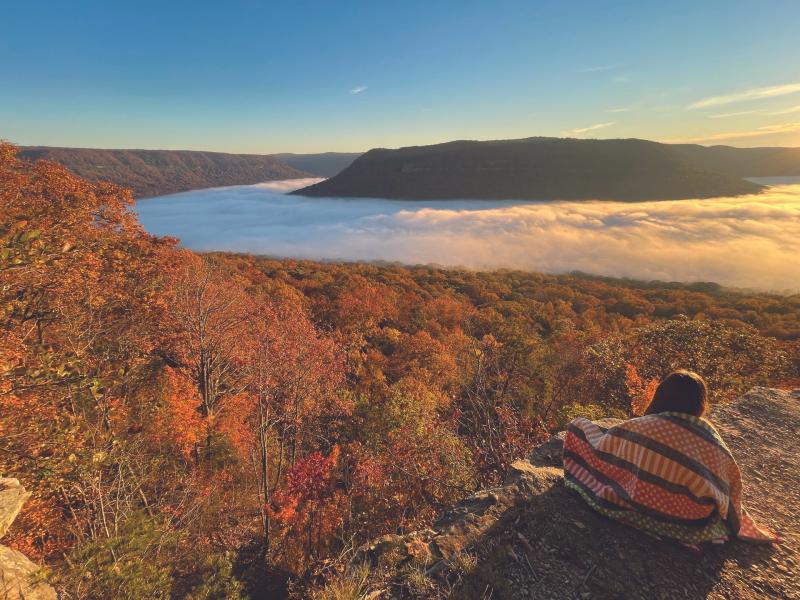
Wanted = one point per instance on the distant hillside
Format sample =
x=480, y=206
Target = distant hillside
x=325, y=164
x=158, y=172
x=532, y=169
x=743, y=162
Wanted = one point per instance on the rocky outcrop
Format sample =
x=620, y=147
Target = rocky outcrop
x=534, y=538
x=458, y=529
x=463, y=525
x=17, y=572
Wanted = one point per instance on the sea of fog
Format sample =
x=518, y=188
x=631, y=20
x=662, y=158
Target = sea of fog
x=748, y=241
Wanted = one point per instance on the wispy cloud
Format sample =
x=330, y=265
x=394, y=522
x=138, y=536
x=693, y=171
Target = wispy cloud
x=772, y=113
x=621, y=109
x=358, y=89
x=579, y=130
x=785, y=111
x=738, y=135
x=735, y=114
x=747, y=95
x=599, y=68
x=622, y=79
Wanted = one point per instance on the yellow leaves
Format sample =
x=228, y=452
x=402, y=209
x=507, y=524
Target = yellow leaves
x=392, y=334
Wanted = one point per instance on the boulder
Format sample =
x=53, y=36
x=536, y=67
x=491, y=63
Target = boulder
x=17, y=573
x=12, y=497
x=18, y=578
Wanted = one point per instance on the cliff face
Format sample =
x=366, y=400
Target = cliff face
x=158, y=172
x=16, y=571
x=533, y=538
x=531, y=169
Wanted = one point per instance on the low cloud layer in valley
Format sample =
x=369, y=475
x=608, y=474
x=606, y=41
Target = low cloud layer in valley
x=750, y=241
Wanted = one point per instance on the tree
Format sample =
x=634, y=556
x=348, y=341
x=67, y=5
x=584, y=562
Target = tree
x=211, y=312
x=293, y=373
x=81, y=287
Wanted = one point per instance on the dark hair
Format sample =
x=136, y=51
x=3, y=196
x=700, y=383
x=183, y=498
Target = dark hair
x=680, y=391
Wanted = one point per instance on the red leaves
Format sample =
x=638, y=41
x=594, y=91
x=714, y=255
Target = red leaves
x=308, y=506
x=310, y=478
x=640, y=394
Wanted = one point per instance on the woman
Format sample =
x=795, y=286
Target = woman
x=668, y=472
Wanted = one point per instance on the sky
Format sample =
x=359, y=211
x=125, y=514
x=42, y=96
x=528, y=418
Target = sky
x=746, y=242
x=301, y=76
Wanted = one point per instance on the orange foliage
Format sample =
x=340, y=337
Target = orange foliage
x=179, y=422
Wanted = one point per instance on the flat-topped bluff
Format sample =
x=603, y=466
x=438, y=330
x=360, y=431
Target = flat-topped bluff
x=542, y=169
x=534, y=538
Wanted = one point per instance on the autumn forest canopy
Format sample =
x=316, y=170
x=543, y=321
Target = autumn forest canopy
x=192, y=423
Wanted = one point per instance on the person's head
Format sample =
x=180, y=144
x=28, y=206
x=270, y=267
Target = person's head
x=680, y=391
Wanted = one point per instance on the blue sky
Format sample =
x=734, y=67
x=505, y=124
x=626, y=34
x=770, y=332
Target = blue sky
x=315, y=76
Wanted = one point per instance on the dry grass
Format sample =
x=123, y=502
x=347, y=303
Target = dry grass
x=351, y=585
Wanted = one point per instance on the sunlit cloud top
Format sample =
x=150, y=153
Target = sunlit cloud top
x=748, y=241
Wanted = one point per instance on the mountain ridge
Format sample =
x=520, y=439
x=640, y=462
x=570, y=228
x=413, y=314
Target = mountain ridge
x=320, y=164
x=645, y=171
x=536, y=168
x=158, y=172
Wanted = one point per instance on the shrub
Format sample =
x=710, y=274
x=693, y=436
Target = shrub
x=125, y=566
x=217, y=580
x=350, y=585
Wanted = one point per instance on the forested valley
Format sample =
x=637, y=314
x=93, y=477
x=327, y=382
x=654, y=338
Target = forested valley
x=208, y=426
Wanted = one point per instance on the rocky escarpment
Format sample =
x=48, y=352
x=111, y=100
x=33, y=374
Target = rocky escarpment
x=17, y=572
x=533, y=538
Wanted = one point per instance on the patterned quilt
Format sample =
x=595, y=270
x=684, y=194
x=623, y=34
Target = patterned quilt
x=669, y=474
